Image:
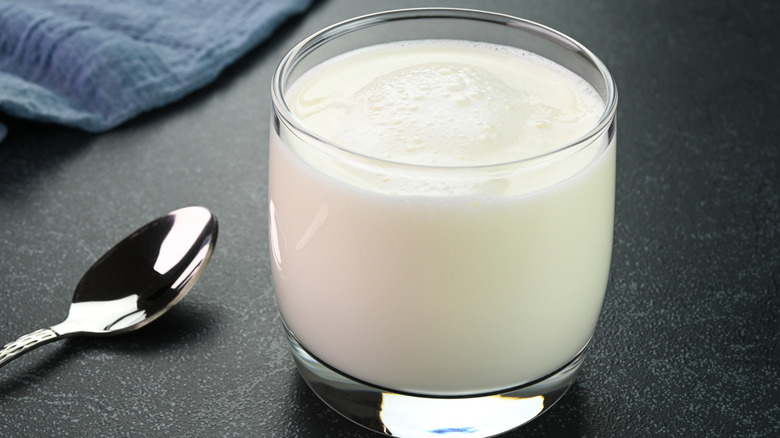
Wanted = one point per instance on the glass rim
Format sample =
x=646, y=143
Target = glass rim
x=313, y=41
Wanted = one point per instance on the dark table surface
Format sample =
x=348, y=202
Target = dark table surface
x=687, y=344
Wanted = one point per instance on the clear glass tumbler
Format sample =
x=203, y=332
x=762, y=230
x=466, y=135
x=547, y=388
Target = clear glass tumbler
x=462, y=299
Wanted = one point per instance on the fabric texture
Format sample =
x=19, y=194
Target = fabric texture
x=93, y=64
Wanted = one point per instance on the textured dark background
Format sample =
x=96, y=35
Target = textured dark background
x=688, y=341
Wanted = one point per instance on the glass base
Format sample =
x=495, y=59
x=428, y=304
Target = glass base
x=410, y=415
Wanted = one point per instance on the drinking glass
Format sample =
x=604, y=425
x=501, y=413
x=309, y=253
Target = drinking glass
x=465, y=307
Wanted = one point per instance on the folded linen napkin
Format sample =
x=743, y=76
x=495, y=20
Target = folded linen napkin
x=93, y=64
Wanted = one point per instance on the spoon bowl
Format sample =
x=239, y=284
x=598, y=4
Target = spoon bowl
x=135, y=282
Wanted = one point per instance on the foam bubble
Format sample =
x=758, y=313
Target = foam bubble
x=436, y=113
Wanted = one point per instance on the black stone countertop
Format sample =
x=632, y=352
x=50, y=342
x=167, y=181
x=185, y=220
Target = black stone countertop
x=687, y=344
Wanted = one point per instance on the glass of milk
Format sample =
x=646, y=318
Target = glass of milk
x=441, y=203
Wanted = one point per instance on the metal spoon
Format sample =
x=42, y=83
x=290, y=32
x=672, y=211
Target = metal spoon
x=135, y=282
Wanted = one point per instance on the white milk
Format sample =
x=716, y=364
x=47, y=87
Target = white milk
x=453, y=281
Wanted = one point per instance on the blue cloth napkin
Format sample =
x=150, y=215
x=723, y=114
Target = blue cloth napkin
x=93, y=64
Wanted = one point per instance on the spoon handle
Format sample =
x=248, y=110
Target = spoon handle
x=26, y=343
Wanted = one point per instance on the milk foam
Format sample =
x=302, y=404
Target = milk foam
x=446, y=103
